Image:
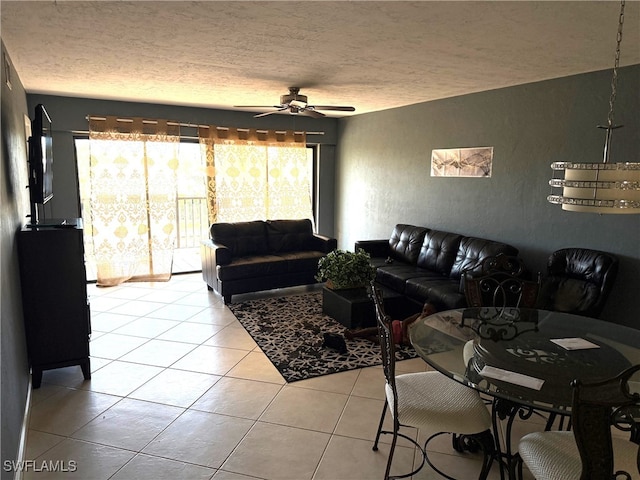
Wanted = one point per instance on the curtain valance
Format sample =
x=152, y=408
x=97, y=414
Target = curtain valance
x=285, y=138
x=134, y=128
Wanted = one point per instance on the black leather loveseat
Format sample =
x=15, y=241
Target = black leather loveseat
x=260, y=255
x=427, y=265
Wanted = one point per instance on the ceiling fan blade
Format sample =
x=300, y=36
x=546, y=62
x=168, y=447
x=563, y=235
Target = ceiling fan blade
x=257, y=106
x=269, y=113
x=311, y=113
x=334, y=107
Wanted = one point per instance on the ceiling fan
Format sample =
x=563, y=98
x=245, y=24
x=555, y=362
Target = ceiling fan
x=297, y=104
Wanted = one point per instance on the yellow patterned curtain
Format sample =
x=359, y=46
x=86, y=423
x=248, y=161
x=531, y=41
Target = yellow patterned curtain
x=256, y=174
x=133, y=165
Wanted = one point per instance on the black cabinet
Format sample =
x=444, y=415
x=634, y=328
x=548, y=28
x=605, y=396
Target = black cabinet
x=54, y=297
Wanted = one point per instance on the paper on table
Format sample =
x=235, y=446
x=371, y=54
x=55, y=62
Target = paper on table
x=574, y=343
x=512, y=377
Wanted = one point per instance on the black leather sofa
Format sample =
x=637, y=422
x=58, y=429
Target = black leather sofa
x=427, y=265
x=578, y=281
x=260, y=255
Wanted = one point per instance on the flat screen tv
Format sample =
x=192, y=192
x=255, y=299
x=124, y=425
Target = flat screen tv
x=40, y=158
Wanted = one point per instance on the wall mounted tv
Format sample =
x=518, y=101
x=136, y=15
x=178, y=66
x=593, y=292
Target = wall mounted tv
x=40, y=158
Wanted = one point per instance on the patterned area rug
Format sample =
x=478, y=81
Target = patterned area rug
x=290, y=329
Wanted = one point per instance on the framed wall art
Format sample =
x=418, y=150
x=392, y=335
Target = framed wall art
x=462, y=162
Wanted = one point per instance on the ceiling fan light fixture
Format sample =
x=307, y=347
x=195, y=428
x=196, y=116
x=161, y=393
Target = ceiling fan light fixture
x=296, y=104
x=600, y=187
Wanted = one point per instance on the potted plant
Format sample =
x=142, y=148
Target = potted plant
x=343, y=269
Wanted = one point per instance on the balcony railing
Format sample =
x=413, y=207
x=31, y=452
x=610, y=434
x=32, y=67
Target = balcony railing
x=193, y=221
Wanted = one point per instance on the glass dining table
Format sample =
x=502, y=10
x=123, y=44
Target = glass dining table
x=524, y=360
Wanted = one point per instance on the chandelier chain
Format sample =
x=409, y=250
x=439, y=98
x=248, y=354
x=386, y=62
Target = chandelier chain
x=616, y=64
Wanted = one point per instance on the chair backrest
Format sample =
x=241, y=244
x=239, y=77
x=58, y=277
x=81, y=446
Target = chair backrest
x=579, y=281
x=387, y=345
x=501, y=284
x=596, y=408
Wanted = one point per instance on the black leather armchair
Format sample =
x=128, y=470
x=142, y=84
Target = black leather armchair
x=578, y=281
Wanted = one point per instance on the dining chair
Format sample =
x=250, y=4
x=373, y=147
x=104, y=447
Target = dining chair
x=501, y=283
x=591, y=451
x=429, y=401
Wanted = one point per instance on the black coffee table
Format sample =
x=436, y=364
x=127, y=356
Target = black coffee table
x=353, y=308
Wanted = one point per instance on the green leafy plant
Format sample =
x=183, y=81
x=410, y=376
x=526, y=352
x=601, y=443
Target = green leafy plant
x=343, y=269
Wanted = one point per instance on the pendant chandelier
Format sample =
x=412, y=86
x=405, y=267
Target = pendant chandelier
x=600, y=187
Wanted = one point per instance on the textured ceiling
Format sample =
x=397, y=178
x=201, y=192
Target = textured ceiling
x=372, y=55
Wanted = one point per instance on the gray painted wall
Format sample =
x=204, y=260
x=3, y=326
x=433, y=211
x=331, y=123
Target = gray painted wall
x=69, y=115
x=383, y=171
x=14, y=203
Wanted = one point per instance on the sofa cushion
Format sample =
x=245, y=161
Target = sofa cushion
x=405, y=242
x=472, y=251
x=252, y=266
x=438, y=251
x=289, y=235
x=396, y=274
x=568, y=295
x=303, y=261
x=443, y=291
x=241, y=238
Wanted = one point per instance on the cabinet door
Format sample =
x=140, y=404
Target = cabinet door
x=54, y=293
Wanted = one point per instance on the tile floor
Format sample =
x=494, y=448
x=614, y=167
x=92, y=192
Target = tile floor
x=179, y=390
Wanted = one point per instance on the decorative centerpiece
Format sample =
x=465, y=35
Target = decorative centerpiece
x=343, y=269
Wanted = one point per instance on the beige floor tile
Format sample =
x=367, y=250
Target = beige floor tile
x=83, y=460
x=120, y=378
x=113, y=346
x=342, y=382
x=213, y=360
x=138, y=308
x=233, y=336
x=256, y=366
x=176, y=312
x=460, y=466
x=304, y=408
x=163, y=296
x=189, y=332
x=200, y=438
x=146, y=327
x=108, y=322
x=72, y=376
x=353, y=459
x=413, y=365
x=67, y=410
x=175, y=387
x=38, y=395
x=214, y=316
x=370, y=383
x=105, y=304
x=125, y=292
x=161, y=353
x=129, y=424
x=201, y=298
x=360, y=418
x=222, y=475
x=277, y=452
x=40, y=442
x=147, y=467
x=238, y=398
x=192, y=282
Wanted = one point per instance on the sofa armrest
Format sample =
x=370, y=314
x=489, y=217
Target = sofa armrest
x=323, y=243
x=221, y=254
x=375, y=248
